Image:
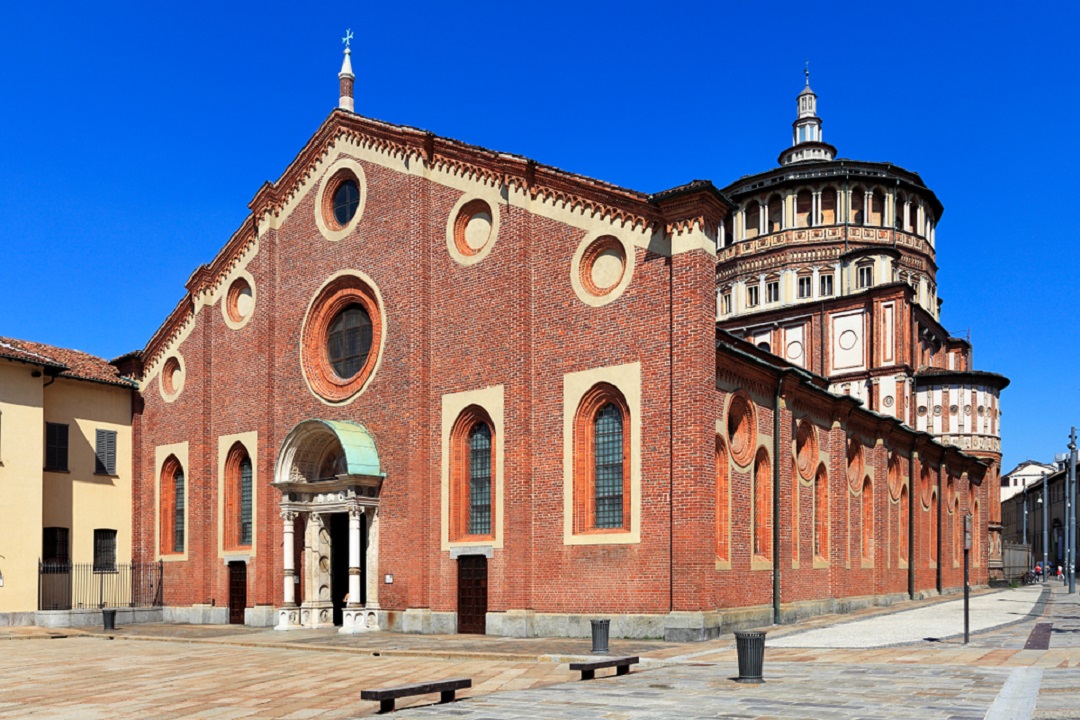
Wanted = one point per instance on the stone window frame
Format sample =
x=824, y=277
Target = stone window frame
x=171, y=534
x=866, y=546
x=821, y=516
x=233, y=516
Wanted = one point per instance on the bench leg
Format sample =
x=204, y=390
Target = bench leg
x=622, y=669
x=446, y=696
x=588, y=674
x=386, y=706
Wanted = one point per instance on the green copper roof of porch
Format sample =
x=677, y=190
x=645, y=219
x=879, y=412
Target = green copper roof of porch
x=361, y=455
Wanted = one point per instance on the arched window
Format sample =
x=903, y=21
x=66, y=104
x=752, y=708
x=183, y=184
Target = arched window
x=723, y=503
x=752, y=220
x=238, y=497
x=776, y=213
x=472, y=474
x=933, y=526
x=877, y=208
x=976, y=541
x=867, y=520
x=762, y=507
x=602, y=462
x=821, y=513
x=858, y=206
x=828, y=206
x=173, y=498
x=958, y=532
x=905, y=517
x=803, y=205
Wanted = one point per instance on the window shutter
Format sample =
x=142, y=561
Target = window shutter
x=245, y=501
x=99, y=453
x=110, y=452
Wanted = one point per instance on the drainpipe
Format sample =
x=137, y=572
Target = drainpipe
x=911, y=524
x=776, y=499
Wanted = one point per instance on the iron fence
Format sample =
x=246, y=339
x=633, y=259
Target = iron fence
x=68, y=586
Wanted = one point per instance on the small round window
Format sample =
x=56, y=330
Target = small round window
x=348, y=341
x=346, y=200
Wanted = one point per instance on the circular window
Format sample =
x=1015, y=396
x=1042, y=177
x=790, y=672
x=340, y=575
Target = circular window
x=348, y=340
x=602, y=266
x=953, y=409
x=341, y=338
x=742, y=429
x=854, y=463
x=339, y=202
x=239, y=301
x=922, y=410
x=172, y=378
x=806, y=450
x=472, y=228
x=345, y=201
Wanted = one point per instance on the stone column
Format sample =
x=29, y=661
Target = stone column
x=355, y=513
x=289, y=615
x=289, y=518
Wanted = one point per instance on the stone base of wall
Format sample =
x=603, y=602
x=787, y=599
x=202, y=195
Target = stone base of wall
x=91, y=617
x=260, y=616
x=18, y=619
x=197, y=615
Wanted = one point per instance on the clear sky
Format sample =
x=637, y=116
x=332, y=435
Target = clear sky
x=133, y=136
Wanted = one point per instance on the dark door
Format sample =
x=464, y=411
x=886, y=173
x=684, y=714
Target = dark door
x=237, y=592
x=339, y=563
x=472, y=594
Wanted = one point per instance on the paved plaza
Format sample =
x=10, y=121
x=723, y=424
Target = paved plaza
x=1025, y=663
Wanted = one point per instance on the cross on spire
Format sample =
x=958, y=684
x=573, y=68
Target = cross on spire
x=807, y=71
x=347, y=38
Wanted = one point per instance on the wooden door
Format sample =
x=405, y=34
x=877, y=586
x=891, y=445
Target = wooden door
x=472, y=594
x=237, y=592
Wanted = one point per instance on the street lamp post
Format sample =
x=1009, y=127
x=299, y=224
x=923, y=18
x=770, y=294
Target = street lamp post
x=1070, y=515
x=1046, y=529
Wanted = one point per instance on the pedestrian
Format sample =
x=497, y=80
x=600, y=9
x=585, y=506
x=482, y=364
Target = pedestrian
x=1038, y=572
x=1061, y=575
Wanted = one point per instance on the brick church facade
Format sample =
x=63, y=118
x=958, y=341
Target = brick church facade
x=429, y=387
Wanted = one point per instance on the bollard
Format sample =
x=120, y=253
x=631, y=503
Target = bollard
x=750, y=646
x=600, y=636
x=109, y=618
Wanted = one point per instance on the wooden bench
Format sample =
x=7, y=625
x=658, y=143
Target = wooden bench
x=588, y=669
x=387, y=696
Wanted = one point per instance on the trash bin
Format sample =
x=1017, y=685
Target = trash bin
x=750, y=646
x=600, y=636
x=109, y=618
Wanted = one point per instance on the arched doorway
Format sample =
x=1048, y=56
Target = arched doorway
x=330, y=478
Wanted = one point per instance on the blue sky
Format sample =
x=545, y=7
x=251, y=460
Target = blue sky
x=132, y=137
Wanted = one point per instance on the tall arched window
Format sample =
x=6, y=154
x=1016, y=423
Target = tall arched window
x=821, y=513
x=828, y=206
x=762, y=507
x=958, y=532
x=776, y=213
x=858, y=206
x=723, y=503
x=238, y=497
x=752, y=220
x=933, y=526
x=905, y=520
x=173, y=497
x=602, y=462
x=472, y=469
x=803, y=206
x=976, y=541
x=867, y=520
x=877, y=207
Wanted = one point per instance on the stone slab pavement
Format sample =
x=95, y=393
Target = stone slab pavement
x=221, y=672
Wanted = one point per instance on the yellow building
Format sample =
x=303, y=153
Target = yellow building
x=65, y=484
